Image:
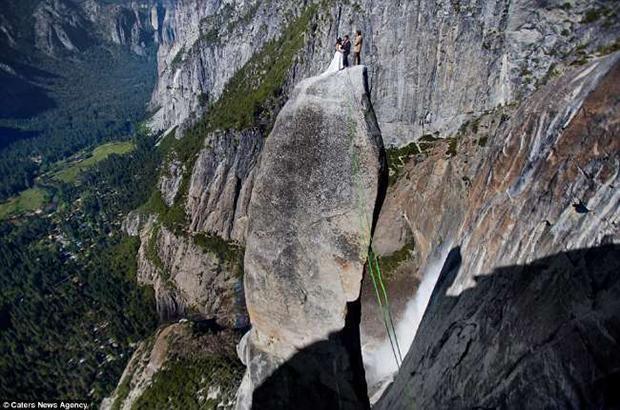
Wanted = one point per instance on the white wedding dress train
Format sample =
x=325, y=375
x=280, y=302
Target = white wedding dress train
x=336, y=64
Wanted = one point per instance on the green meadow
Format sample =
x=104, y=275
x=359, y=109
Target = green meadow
x=66, y=171
x=70, y=170
x=28, y=201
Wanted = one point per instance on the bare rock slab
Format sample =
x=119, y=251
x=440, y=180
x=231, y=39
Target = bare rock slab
x=310, y=220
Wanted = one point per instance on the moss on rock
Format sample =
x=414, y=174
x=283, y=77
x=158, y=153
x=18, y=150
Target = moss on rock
x=389, y=264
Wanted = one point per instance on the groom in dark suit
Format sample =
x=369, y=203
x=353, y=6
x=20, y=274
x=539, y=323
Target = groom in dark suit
x=346, y=49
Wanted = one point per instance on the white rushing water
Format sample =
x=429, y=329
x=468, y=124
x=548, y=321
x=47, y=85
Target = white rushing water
x=379, y=363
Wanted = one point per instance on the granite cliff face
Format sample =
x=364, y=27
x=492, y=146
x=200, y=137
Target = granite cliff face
x=500, y=121
x=432, y=65
x=439, y=64
x=481, y=178
x=44, y=41
x=204, y=43
x=191, y=277
x=61, y=28
x=134, y=24
x=524, y=207
x=221, y=184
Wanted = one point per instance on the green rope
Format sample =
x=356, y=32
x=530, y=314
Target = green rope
x=377, y=279
x=382, y=308
x=387, y=303
x=375, y=273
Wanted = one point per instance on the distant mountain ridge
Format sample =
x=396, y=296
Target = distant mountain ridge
x=55, y=26
x=73, y=73
x=33, y=32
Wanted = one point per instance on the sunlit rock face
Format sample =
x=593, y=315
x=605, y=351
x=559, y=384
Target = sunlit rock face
x=436, y=64
x=221, y=183
x=548, y=184
x=535, y=212
x=203, y=44
x=65, y=26
x=432, y=65
x=190, y=279
x=170, y=181
x=310, y=216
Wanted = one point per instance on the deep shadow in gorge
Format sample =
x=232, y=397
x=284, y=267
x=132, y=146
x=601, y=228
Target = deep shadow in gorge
x=539, y=335
x=328, y=374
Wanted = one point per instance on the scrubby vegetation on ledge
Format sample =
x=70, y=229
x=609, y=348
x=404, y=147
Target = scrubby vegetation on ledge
x=185, y=384
x=228, y=252
x=151, y=250
x=173, y=217
x=476, y=128
x=251, y=98
x=389, y=264
x=397, y=158
x=201, y=371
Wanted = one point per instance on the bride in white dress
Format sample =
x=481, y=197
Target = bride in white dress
x=336, y=64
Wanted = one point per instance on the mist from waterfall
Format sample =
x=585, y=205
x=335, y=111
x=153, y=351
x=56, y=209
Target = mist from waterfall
x=380, y=364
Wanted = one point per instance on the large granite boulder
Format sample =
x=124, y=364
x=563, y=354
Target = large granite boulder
x=311, y=215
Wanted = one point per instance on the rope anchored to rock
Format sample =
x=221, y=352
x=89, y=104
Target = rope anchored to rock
x=374, y=269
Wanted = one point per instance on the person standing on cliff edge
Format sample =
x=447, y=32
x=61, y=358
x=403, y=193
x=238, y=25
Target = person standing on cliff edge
x=357, y=48
x=346, y=49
